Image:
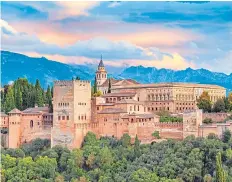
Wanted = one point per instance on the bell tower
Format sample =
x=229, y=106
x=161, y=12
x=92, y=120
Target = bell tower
x=101, y=73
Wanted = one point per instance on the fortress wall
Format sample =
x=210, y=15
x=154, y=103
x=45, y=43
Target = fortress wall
x=216, y=117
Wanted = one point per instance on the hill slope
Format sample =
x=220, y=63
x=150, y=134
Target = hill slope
x=16, y=65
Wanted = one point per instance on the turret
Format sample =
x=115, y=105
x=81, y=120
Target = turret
x=101, y=73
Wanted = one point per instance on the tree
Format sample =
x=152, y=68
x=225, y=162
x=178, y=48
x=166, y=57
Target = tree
x=126, y=139
x=18, y=98
x=10, y=102
x=219, y=106
x=78, y=78
x=204, y=102
x=137, y=150
x=98, y=94
x=207, y=121
x=226, y=136
x=39, y=99
x=156, y=134
x=95, y=86
x=220, y=173
x=109, y=86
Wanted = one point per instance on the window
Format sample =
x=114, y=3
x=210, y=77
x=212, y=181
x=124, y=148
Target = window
x=97, y=108
x=67, y=117
x=31, y=123
x=38, y=123
x=58, y=117
x=63, y=117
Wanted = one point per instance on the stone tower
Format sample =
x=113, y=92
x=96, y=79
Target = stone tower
x=14, y=128
x=191, y=122
x=71, y=108
x=101, y=73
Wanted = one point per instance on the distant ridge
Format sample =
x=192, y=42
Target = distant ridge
x=16, y=65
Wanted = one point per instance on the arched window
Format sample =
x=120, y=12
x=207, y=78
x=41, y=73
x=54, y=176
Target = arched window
x=31, y=123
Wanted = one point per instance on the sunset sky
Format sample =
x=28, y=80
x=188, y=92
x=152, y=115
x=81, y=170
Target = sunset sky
x=173, y=35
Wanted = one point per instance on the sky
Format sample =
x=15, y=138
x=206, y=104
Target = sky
x=173, y=35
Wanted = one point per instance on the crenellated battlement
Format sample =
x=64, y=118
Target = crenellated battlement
x=63, y=83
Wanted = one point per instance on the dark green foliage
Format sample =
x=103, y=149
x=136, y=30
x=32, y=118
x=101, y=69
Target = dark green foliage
x=156, y=134
x=109, y=86
x=95, y=86
x=171, y=119
x=110, y=160
x=207, y=121
x=10, y=101
x=22, y=94
x=226, y=136
x=204, y=102
x=219, y=106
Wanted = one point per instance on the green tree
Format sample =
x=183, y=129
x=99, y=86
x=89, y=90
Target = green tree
x=204, y=102
x=220, y=173
x=156, y=134
x=226, y=136
x=109, y=86
x=219, y=106
x=39, y=98
x=126, y=140
x=78, y=78
x=2, y=100
x=10, y=102
x=137, y=150
x=95, y=86
x=207, y=121
x=18, y=98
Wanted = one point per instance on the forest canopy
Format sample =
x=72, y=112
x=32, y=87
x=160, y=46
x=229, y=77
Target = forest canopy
x=108, y=159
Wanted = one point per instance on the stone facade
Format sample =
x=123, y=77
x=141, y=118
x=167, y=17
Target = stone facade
x=171, y=97
x=131, y=108
x=71, y=106
x=24, y=126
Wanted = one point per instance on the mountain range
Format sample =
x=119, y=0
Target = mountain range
x=14, y=65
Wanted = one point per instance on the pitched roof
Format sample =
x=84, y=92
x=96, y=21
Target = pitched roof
x=3, y=114
x=120, y=94
x=115, y=82
x=128, y=101
x=140, y=116
x=101, y=63
x=112, y=111
x=36, y=110
x=15, y=111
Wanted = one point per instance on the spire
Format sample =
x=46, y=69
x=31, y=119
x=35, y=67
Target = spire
x=101, y=63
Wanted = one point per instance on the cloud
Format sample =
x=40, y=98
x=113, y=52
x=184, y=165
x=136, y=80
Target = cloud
x=114, y=4
x=6, y=28
x=116, y=52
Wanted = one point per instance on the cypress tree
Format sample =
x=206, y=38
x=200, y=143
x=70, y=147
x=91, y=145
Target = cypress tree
x=109, y=87
x=2, y=100
x=39, y=99
x=18, y=98
x=10, y=102
x=95, y=86
x=137, y=147
x=49, y=96
x=220, y=173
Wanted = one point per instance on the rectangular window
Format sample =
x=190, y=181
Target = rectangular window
x=58, y=117
x=67, y=117
x=63, y=117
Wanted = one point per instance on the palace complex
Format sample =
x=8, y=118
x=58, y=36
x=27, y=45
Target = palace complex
x=126, y=107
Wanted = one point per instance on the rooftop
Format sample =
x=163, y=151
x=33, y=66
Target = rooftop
x=168, y=84
x=36, y=110
x=111, y=111
x=140, y=116
x=3, y=114
x=120, y=94
x=15, y=111
x=128, y=101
